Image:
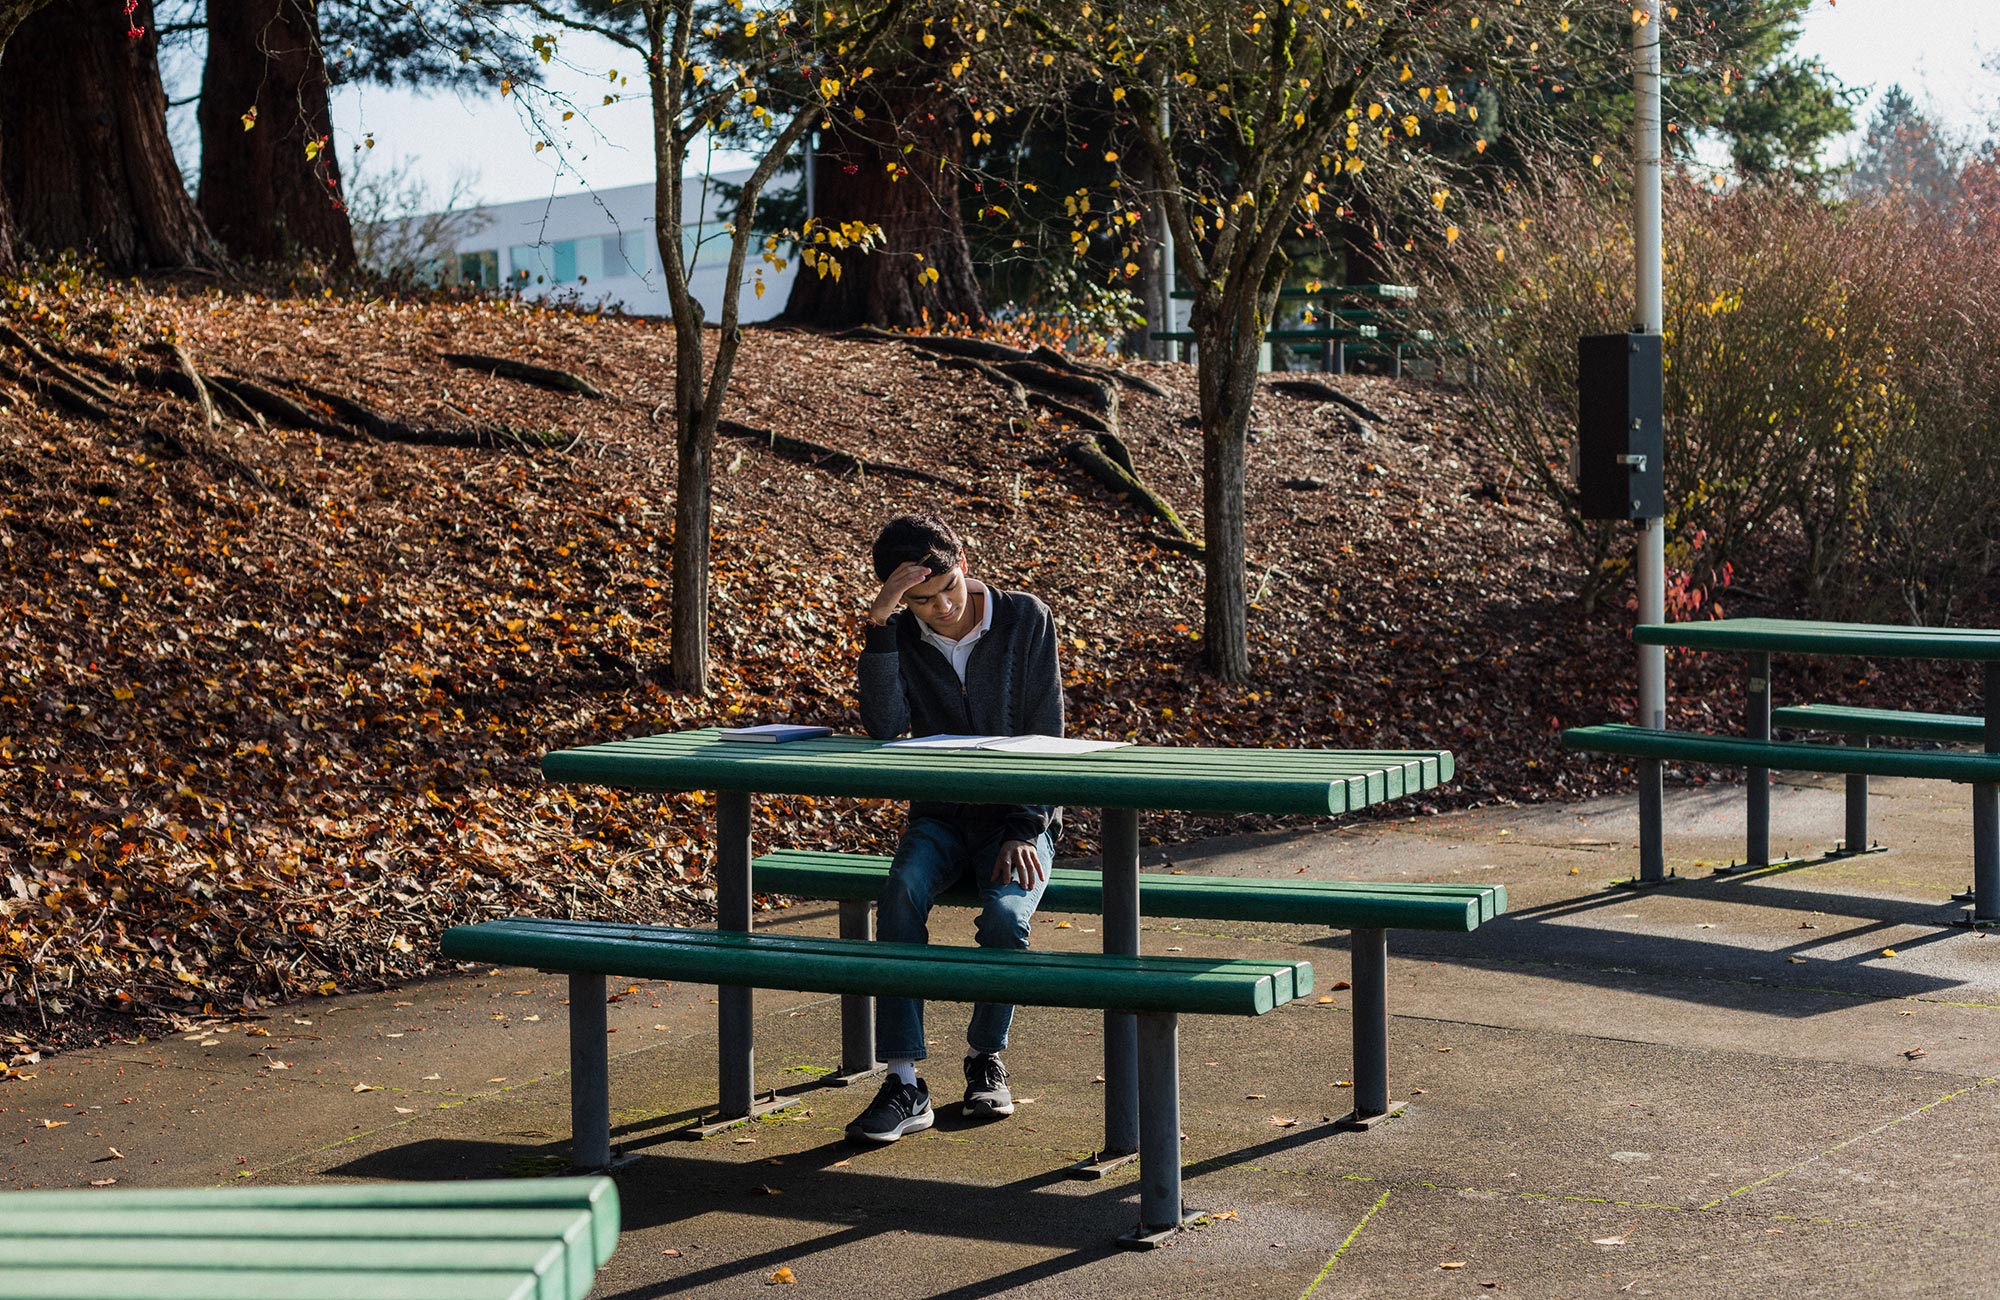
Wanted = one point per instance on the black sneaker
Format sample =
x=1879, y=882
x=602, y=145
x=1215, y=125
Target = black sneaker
x=898, y=1108
x=986, y=1093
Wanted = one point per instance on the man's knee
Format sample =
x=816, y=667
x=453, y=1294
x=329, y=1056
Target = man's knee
x=1004, y=921
x=901, y=910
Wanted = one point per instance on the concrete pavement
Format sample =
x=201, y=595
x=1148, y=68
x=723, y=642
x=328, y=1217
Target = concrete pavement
x=1721, y=1087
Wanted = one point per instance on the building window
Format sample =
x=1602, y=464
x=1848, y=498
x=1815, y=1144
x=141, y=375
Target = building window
x=480, y=270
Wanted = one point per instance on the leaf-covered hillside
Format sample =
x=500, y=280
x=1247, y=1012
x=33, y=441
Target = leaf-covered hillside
x=291, y=603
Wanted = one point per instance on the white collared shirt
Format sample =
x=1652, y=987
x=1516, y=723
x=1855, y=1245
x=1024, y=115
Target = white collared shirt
x=959, y=652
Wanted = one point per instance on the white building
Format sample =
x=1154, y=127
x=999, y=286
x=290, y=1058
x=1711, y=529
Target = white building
x=598, y=249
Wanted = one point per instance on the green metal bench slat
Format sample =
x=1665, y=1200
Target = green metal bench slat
x=1790, y=756
x=1289, y=980
x=1256, y=781
x=596, y=1196
x=543, y=1260
x=1813, y=637
x=1846, y=720
x=360, y=1230
x=1082, y=980
x=171, y=1284
x=1285, y=976
x=1337, y=904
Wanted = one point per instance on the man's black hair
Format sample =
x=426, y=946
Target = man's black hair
x=924, y=538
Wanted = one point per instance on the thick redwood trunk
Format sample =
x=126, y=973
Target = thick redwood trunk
x=273, y=190
x=917, y=211
x=88, y=164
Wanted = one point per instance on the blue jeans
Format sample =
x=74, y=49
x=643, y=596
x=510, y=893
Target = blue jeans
x=934, y=855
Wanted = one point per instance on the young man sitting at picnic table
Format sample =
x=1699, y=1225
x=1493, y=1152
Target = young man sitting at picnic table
x=959, y=657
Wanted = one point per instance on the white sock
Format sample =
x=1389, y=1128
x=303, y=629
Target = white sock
x=904, y=1070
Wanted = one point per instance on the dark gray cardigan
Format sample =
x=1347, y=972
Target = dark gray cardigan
x=1013, y=687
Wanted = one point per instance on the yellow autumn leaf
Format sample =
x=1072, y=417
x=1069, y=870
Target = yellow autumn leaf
x=506, y=87
x=783, y=1277
x=250, y=118
x=1451, y=234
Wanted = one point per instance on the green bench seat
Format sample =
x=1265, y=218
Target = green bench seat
x=1862, y=725
x=1781, y=755
x=1368, y=908
x=540, y=1239
x=1155, y=989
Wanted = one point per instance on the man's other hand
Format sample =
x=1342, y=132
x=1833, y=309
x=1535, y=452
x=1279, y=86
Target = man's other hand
x=1019, y=863
x=907, y=575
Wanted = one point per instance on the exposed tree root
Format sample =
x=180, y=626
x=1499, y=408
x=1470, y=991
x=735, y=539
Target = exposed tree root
x=200, y=389
x=1320, y=392
x=561, y=381
x=71, y=399
x=279, y=407
x=1013, y=387
x=75, y=380
x=831, y=459
x=1076, y=415
x=1109, y=462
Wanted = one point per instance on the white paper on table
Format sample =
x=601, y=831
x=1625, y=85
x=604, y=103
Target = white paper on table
x=943, y=742
x=1050, y=745
x=1045, y=746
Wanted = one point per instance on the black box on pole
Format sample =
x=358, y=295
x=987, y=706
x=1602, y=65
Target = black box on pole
x=1618, y=427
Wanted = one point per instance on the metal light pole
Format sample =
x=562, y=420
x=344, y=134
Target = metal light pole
x=1651, y=319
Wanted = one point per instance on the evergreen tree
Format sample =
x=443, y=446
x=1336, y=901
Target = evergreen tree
x=1905, y=156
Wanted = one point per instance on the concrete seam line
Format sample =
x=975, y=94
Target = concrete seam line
x=1879, y=1128
x=1342, y=1248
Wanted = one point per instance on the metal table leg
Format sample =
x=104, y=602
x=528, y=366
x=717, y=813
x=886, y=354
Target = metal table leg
x=1121, y=1034
x=1757, y=726
x=736, y=1055
x=1652, y=844
x=1986, y=819
x=1161, y=1212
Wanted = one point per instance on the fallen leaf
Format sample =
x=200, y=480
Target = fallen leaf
x=1444, y=1049
x=1797, y=961
x=404, y=1110
x=529, y=1019
x=764, y=1189
x=116, y=1154
x=432, y=1078
x=783, y=1277
x=1283, y=1121
x=102, y=1182
x=277, y=1065
x=1452, y=1263
x=1914, y=1052
x=1064, y=925
x=840, y=1164
x=1343, y=1083
x=744, y=1141
x=1888, y=952
x=1609, y=1241
x=54, y=1123
x=671, y=1253
x=1223, y=1214
x=1323, y=1001
x=366, y=1087
x=1253, y=1096
x=1338, y=985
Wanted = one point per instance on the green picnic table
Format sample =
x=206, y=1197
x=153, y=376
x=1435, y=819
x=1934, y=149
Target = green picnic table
x=1122, y=782
x=525, y=1239
x=1758, y=639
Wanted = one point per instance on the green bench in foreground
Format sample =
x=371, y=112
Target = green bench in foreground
x=1158, y=990
x=1369, y=909
x=533, y=1239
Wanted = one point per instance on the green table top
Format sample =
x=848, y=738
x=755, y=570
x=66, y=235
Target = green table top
x=1804, y=636
x=1314, y=781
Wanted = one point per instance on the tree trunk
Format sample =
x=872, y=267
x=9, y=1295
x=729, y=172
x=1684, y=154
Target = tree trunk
x=271, y=190
x=1226, y=377
x=918, y=211
x=694, y=425
x=1156, y=278
x=89, y=165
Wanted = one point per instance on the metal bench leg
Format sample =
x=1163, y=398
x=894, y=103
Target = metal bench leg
x=1652, y=842
x=589, y=1075
x=1161, y=1212
x=1857, y=809
x=1369, y=975
x=1339, y=357
x=1121, y=1035
x=857, y=1010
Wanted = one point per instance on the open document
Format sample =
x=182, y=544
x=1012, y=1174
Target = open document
x=1041, y=745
